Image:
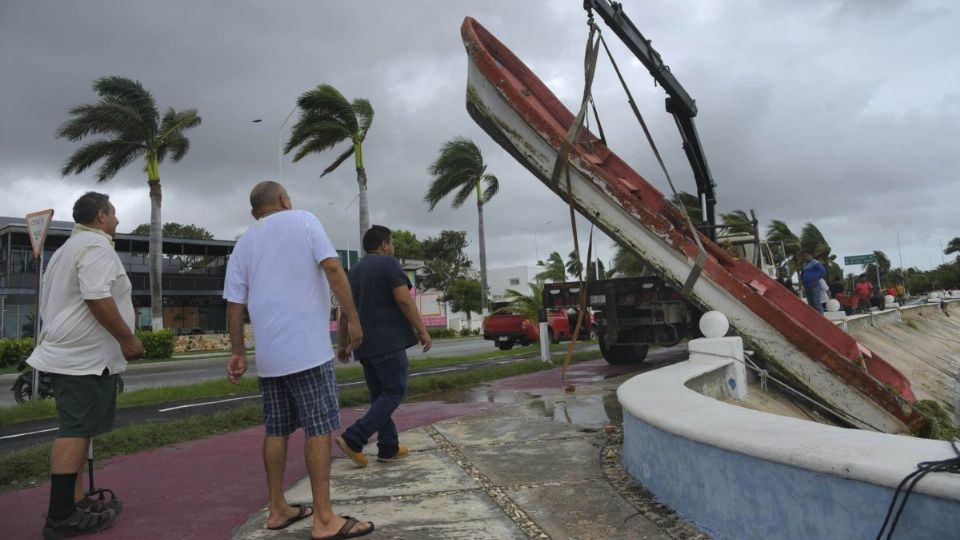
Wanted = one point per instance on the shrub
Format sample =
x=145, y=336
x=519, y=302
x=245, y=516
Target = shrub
x=12, y=351
x=441, y=332
x=464, y=332
x=157, y=344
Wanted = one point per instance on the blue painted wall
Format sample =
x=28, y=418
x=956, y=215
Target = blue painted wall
x=733, y=496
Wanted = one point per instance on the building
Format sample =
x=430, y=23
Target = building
x=193, y=275
x=517, y=278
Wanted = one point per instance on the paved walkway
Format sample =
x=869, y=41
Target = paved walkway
x=514, y=459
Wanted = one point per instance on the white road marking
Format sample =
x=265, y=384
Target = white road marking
x=206, y=403
x=28, y=433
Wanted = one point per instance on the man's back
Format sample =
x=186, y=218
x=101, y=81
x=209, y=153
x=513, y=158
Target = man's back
x=385, y=329
x=274, y=270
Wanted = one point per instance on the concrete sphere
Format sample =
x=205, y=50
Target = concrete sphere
x=714, y=324
x=933, y=295
x=889, y=299
x=833, y=305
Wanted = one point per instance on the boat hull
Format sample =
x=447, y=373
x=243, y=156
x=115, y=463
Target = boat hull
x=518, y=111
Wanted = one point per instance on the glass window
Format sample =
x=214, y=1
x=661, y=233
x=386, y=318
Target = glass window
x=514, y=281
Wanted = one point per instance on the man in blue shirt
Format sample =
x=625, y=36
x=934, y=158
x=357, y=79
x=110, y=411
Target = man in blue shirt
x=811, y=274
x=391, y=323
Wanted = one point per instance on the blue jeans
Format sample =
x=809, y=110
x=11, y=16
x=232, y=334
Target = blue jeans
x=386, y=377
x=813, y=297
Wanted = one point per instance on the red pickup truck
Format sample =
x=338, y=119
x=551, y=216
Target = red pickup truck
x=506, y=330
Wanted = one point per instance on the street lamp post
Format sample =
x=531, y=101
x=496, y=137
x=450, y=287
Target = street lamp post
x=899, y=254
x=535, y=230
x=279, y=140
x=345, y=210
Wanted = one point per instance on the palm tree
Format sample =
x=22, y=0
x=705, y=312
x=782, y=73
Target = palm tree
x=573, y=265
x=812, y=239
x=779, y=232
x=953, y=246
x=555, y=270
x=690, y=203
x=326, y=119
x=527, y=305
x=626, y=263
x=127, y=117
x=737, y=222
x=460, y=168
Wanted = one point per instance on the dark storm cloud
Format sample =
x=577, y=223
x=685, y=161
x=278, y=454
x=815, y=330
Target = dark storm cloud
x=840, y=113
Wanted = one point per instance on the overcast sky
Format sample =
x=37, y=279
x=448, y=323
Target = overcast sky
x=842, y=113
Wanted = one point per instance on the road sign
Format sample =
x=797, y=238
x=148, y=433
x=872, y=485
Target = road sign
x=859, y=259
x=38, y=223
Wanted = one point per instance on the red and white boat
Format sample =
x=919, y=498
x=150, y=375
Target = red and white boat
x=519, y=112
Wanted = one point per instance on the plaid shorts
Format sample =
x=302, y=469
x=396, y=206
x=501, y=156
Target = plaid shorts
x=307, y=398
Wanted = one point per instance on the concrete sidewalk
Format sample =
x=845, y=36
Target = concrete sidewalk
x=545, y=467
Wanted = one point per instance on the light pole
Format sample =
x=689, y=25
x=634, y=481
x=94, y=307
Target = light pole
x=899, y=254
x=943, y=259
x=279, y=140
x=536, y=248
x=345, y=210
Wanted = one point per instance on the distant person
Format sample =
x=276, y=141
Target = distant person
x=901, y=293
x=834, y=277
x=88, y=322
x=281, y=271
x=864, y=290
x=391, y=324
x=810, y=275
x=784, y=279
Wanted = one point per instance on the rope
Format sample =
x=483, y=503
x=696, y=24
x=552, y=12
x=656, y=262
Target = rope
x=764, y=373
x=951, y=465
x=701, y=255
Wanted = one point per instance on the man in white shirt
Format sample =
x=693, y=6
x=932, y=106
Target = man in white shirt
x=87, y=338
x=281, y=271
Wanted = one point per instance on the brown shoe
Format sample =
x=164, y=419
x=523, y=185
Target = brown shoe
x=402, y=452
x=78, y=523
x=357, y=458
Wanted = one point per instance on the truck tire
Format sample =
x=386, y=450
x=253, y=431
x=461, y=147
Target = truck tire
x=623, y=354
x=505, y=346
x=552, y=337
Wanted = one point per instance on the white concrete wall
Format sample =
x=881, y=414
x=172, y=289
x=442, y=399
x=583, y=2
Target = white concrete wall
x=744, y=474
x=513, y=277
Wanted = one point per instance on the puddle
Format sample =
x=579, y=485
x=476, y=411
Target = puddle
x=483, y=395
x=588, y=411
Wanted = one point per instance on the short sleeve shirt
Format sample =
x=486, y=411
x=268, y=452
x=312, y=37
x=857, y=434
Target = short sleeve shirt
x=275, y=270
x=72, y=341
x=385, y=328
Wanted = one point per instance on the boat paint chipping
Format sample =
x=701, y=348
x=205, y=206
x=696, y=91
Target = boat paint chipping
x=521, y=114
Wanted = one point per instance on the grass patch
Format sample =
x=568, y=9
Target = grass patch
x=27, y=467
x=222, y=388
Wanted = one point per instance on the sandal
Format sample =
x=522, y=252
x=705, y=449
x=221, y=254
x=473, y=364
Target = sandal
x=345, y=531
x=304, y=511
x=78, y=523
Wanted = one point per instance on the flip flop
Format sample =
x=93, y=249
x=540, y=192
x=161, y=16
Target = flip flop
x=300, y=515
x=344, y=531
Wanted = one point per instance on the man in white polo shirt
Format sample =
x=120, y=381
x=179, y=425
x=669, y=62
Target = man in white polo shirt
x=86, y=341
x=281, y=271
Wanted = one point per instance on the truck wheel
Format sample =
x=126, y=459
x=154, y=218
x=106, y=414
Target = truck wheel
x=551, y=337
x=505, y=346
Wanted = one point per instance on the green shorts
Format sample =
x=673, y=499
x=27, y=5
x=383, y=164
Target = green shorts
x=85, y=404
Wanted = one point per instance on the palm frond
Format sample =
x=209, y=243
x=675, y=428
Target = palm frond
x=340, y=159
x=117, y=159
x=737, y=222
x=459, y=167
x=87, y=155
x=364, y=113
x=130, y=93
x=690, y=203
x=493, y=187
x=104, y=117
x=178, y=146
x=320, y=135
x=329, y=102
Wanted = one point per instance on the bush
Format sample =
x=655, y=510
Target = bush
x=440, y=332
x=464, y=332
x=12, y=351
x=157, y=344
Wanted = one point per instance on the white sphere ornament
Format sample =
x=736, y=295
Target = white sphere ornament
x=714, y=324
x=833, y=305
x=888, y=299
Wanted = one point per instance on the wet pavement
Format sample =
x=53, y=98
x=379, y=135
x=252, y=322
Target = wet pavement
x=516, y=458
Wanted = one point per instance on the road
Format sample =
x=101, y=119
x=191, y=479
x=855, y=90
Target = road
x=194, y=370
x=25, y=434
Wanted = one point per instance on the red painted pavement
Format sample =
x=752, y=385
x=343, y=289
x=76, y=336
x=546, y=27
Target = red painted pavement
x=205, y=489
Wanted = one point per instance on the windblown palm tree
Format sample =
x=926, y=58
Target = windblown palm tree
x=127, y=117
x=779, y=232
x=528, y=305
x=737, y=222
x=690, y=203
x=953, y=246
x=812, y=239
x=626, y=263
x=555, y=270
x=326, y=119
x=460, y=168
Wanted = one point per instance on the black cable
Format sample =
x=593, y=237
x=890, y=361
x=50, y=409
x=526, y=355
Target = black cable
x=924, y=468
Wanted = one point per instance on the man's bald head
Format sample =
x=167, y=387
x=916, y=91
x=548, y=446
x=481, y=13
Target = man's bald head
x=268, y=196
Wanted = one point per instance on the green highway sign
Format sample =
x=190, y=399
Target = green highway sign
x=859, y=259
